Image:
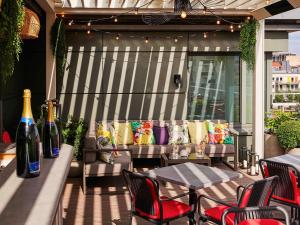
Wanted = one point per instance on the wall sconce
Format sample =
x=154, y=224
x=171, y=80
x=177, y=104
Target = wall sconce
x=177, y=80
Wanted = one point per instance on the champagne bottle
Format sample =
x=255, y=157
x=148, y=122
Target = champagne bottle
x=50, y=135
x=27, y=142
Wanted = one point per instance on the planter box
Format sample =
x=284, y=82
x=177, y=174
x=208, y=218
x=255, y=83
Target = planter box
x=272, y=147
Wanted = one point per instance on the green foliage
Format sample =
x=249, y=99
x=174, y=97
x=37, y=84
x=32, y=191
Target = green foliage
x=297, y=98
x=288, y=134
x=58, y=45
x=73, y=133
x=274, y=121
x=248, y=41
x=279, y=98
x=290, y=97
x=11, y=22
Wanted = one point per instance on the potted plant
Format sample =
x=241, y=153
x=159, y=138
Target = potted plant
x=73, y=132
x=288, y=134
x=272, y=122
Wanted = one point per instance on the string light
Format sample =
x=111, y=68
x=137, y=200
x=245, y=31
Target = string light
x=183, y=14
x=117, y=37
x=232, y=30
x=88, y=31
x=231, y=27
x=146, y=40
x=239, y=26
x=267, y=2
x=248, y=17
x=136, y=11
x=218, y=22
x=116, y=19
x=204, y=10
x=205, y=35
x=175, y=39
x=62, y=15
x=89, y=23
x=70, y=23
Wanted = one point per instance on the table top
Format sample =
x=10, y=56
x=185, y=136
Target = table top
x=191, y=157
x=34, y=201
x=192, y=176
x=293, y=160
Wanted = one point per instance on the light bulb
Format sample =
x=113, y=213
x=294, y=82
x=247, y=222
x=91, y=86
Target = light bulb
x=70, y=23
x=62, y=15
x=248, y=17
x=232, y=30
x=239, y=26
x=116, y=20
x=218, y=22
x=88, y=31
x=204, y=10
x=267, y=2
x=231, y=26
x=176, y=40
x=205, y=35
x=117, y=37
x=136, y=11
x=89, y=23
x=146, y=40
x=183, y=14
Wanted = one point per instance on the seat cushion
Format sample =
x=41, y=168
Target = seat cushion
x=148, y=151
x=261, y=222
x=99, y=168
x=219, y=150
x=216, y=213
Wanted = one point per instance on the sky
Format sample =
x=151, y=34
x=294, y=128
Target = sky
x=294, y=42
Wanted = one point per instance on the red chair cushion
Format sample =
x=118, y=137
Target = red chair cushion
x=261, y=222
x=216, y=214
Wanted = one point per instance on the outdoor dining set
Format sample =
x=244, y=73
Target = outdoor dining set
x=264, y=201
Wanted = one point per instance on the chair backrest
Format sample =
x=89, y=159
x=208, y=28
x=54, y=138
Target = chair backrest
x=144, y=193
x=258, y=193
x=288, y=176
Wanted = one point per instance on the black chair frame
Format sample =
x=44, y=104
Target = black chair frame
x=240, y=193
x=255, y=213
x=160, y=221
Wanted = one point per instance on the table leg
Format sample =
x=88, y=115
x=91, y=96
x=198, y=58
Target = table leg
x=192, y=200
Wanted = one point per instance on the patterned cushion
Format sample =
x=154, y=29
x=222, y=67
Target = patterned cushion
x=178, y=134
x=161, y=135
x=105, y=136
x=123, y=133
x=198, y=132
x=143, y=134
x=218, y=133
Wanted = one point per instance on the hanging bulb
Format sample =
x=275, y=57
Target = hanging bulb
x=232, y=30
x=175, y=39
x=88, y=31
x=136, y=11
x=267, y=2
x=70, y=23
x=239, y=26
x=248, y=17
x=146, y=40
x=62, y=15
x=183, y=14
x=218, y=22
x=89, y=23
x=231, y=27
x=116, y=20
x=204, y=10
x=204, y=35
x=117, y=37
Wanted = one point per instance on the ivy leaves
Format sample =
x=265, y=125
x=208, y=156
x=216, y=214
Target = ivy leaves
x=248, y=41
x=11, y=22
x=58, y=45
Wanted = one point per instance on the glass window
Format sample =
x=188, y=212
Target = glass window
x=214, y=88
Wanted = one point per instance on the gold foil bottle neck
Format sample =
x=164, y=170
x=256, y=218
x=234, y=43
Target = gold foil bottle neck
x=27, y=93
x=50, y=112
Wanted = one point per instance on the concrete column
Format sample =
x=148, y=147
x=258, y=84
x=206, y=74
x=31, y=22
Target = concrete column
x=259, y=91
x=50, y=60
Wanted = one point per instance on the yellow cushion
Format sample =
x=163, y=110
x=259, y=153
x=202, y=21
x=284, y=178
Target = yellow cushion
x=198, y=131
x=123, y=133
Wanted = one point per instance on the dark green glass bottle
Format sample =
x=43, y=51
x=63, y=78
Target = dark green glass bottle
x=27, y=142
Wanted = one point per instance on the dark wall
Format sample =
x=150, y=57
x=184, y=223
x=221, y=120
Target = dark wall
x=127, y=78
x=29, y=73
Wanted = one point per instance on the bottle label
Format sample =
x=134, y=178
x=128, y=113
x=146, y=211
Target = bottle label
x=29, y=121
x=34, y=167
x=55, y=152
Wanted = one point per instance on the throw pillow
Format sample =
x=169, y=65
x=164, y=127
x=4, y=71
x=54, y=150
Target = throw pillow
x=198, y=132
x=123, y=133
x=161, y=135
x=105, y=136
x=143, y=133
x=218, y=133
x=178, y=134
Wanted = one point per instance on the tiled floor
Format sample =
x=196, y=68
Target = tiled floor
x=104, y=209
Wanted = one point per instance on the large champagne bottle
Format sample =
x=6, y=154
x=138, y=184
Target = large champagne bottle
x=50, y=135
x=28, y=142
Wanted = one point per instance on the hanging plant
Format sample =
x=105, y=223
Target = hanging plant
x=58, y=45
x=11, y=22
x=248, y=41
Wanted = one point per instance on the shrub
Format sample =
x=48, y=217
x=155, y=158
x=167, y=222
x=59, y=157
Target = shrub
x=73, y=133
x=276, y=119
x=290, y=98
x=297, y=98
x=288, y=134
x=279, y=98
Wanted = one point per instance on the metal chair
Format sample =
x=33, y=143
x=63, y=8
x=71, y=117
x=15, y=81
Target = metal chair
x=257, y=193
x=147, y=204
x=287, y=190
x=256, y=216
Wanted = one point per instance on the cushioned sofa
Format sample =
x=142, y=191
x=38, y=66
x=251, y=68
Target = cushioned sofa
x=94, y=167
